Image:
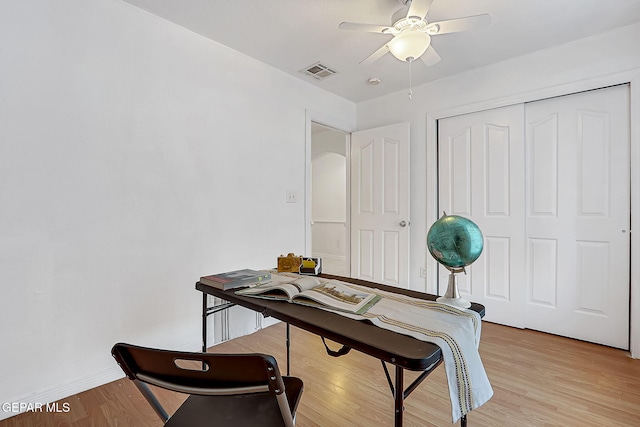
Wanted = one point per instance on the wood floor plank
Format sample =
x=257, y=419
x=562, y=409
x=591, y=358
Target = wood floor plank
x=538, y=380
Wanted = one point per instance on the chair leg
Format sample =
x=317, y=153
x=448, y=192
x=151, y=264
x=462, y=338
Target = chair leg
x=153, y=401
x=289, y=420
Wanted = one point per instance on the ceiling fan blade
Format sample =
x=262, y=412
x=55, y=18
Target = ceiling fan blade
x=370, y=28
x=469, y=23
x=419, y=8
x=375, y=55
x=430, y=56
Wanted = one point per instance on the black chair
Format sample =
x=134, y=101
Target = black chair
x=225, y=389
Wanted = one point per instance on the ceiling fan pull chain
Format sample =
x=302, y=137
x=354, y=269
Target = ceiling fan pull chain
x=410, y=85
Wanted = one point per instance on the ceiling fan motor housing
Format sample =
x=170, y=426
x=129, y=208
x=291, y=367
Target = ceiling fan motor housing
x=399, y=15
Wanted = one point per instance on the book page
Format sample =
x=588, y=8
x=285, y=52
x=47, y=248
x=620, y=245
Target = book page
x=314, y=291
x=271, y=290
x=337, y=296
x=307, y=282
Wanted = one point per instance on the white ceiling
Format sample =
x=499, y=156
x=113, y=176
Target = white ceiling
x=292, y=35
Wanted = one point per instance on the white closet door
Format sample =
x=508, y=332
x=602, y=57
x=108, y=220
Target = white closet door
x=548, y=183
x=578, y=216
x=481, y=177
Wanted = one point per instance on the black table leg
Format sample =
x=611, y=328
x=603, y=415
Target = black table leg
x=399, y=397
x=204, y=322
x=206, y=311
x=288, y=345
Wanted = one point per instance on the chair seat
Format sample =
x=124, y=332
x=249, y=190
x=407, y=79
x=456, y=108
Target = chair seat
x=245, y=410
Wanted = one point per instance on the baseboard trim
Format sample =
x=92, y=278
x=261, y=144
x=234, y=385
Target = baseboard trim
x=65, y=390
x=76, y=386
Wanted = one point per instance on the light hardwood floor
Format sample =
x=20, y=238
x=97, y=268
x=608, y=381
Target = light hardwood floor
x=538, y=380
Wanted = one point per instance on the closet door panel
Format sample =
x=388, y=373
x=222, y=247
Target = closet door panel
x=481, y=178
x=578, y=196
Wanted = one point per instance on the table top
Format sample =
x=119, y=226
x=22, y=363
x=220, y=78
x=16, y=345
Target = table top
x=392, y=347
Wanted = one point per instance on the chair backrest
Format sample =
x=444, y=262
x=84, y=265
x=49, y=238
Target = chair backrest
x=203, y=374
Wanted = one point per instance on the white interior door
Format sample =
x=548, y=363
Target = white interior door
x=578, y=215
x=480, y=158
x=380, y=204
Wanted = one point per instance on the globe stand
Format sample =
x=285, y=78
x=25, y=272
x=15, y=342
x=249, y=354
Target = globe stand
x=452, y=296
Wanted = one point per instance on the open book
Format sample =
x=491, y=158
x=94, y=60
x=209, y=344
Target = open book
x=314, y=291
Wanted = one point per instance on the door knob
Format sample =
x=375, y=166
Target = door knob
x=404, y=223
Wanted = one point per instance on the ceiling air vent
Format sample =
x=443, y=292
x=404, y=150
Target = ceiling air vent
x=318, y=71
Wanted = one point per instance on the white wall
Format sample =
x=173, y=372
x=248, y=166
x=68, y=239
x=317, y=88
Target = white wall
x=329, y=187
x=135, y=156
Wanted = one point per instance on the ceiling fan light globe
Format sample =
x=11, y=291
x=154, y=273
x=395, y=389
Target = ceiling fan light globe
x=409, y=44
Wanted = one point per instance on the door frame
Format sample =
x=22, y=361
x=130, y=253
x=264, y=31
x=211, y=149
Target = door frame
x=631, y=77
x=336, y=123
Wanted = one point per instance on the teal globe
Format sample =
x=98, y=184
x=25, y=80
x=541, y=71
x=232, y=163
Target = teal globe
x=454, y=241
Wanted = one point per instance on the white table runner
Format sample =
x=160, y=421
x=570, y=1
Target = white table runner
x=456, y=331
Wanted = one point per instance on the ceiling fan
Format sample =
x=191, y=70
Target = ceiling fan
x=412, y=33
